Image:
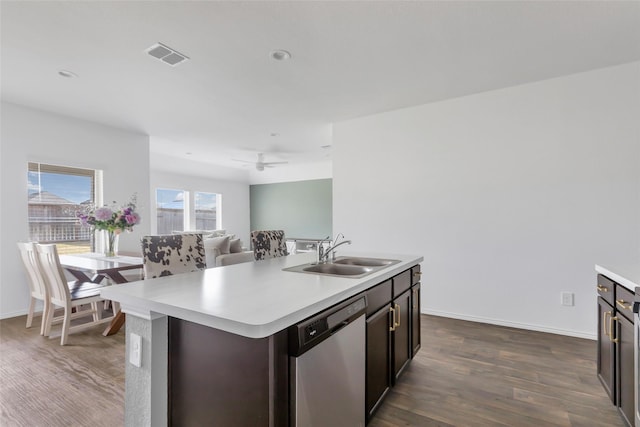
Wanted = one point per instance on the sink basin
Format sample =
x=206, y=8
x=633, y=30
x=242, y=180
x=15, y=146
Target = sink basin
x=345, y=266
x=337, y=269
x=365, y=262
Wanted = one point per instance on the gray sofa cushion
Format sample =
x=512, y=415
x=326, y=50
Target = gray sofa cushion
x=234, y=258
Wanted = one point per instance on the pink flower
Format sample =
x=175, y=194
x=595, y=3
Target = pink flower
x=133, y=218
x=103, y=214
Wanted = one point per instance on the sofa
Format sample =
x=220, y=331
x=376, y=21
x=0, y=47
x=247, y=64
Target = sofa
x=221, y=248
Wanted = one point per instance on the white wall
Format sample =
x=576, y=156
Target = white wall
x=31, y=135
x=235, y=198
x=512, y=195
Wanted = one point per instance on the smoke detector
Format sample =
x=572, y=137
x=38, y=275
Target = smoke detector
x=166, y=54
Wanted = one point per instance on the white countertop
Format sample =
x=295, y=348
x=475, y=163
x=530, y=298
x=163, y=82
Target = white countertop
x=627, y=275
x=253, y=299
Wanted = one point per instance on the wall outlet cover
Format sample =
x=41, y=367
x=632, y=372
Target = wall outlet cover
x=567, y=299
x=135, y=350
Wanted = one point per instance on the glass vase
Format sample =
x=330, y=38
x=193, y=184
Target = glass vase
x=110, y=243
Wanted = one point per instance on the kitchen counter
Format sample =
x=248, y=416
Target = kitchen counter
x=627, y=275
x=254, y=299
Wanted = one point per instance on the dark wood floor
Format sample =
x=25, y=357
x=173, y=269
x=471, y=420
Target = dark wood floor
x=466, y=374
x=473, y=374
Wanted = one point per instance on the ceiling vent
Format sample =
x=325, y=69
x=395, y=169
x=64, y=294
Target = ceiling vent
x=166, y=54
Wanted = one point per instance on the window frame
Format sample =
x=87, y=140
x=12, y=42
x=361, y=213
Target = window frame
x=67, y=246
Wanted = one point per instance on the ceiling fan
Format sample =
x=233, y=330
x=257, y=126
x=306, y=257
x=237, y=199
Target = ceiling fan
x=261, y=164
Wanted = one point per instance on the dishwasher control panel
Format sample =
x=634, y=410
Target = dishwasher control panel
x=314, y=330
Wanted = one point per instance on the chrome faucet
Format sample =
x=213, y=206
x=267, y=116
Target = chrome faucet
x=323, y=255
x=320, y=250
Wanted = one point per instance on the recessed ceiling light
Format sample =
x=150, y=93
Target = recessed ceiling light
x=68, y=74
x=326, y=146
x=188, y=153
x=280, y=55
x=274, y=134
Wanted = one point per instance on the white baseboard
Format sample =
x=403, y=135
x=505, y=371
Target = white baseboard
x=517, y=325
x=18, y=313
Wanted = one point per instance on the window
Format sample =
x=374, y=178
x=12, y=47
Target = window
x=170, y=210
x=179, y=210
x=206, y=209
x=55, y=194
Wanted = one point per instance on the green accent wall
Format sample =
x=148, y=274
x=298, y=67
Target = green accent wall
x=303, y=209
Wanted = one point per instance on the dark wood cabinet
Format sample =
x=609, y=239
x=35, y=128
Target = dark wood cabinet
x=606, y=348
x=391, y=321
x=625, y=370
x=401, y=333
x=378, y=379
x=251, y=390
x=415, y=319
x=415, y=310
x=616, y=365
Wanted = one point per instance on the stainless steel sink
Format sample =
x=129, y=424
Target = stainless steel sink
x=352, y=267
x=338, y=269
x=365, y=262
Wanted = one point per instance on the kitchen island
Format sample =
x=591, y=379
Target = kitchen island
x=233, y=320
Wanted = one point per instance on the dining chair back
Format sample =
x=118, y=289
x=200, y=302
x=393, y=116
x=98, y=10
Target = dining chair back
x=67, y=295
x=169, y=254
x=268, y=244
x=37, y=287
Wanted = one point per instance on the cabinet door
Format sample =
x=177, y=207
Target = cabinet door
x=606, y=348
x=378, y=358
x=625, y=370
x=401, y=333
x=415, y=319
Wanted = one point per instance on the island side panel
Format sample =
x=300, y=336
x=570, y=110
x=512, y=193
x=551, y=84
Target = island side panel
x=220, y=378
x=145, y=386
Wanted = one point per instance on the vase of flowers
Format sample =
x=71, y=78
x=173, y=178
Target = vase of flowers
x=111, y=221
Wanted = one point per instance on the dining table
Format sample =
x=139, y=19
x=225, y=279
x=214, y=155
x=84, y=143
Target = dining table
x=95, y=267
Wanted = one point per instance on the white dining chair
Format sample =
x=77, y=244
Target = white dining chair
x=37, y=287
x=61, y=294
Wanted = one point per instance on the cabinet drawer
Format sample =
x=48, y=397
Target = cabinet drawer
x=378, y=296
x=416, y=273
x=605, y=288
x=401, y=282
x=624, y=301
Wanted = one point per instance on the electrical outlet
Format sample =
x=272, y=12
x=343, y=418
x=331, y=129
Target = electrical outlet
x=567, y=298
x=135, y=349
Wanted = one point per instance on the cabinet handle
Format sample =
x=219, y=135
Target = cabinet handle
x=417, y=273
x=393, y=319
x=397, y=310
x=602, y=289
x=415, y=298
x=604, y=323
x=611, y=320
x=622, y=304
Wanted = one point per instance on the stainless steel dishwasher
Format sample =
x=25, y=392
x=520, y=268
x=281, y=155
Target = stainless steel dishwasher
x=327, y=367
